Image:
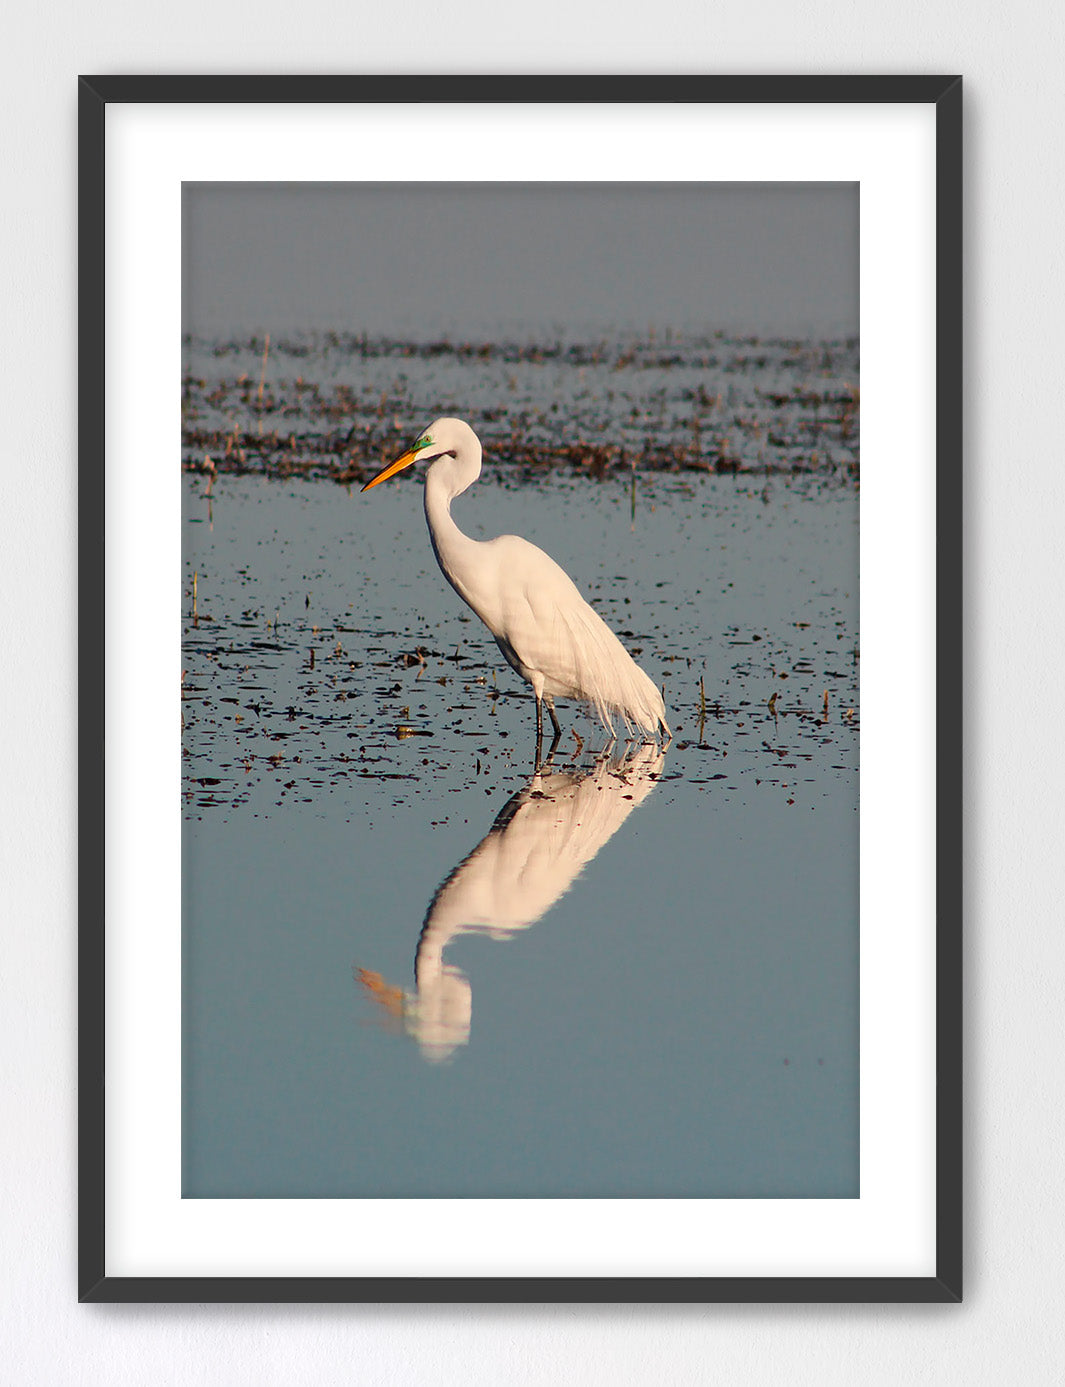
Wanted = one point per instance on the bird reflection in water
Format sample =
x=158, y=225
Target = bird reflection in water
x=533, y=853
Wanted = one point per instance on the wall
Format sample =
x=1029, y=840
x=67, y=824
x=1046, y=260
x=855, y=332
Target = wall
x=1006, y=1331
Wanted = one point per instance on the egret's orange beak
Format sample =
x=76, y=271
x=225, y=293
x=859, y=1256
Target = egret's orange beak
x=393, y=468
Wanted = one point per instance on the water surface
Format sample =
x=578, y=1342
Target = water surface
x=411, y=967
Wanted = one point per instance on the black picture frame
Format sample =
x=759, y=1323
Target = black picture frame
x=945, y=92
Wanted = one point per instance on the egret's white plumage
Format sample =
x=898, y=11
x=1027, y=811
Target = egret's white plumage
x=546, y=630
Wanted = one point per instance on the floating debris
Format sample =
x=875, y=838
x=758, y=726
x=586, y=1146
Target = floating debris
x=721, y=406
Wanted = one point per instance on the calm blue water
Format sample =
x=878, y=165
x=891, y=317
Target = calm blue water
x=410, y=968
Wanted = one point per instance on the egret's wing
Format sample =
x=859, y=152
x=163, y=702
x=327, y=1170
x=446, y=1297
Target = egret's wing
x=600, y=668
x=551, y=628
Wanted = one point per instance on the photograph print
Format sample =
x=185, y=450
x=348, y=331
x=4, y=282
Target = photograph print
x=520, y=691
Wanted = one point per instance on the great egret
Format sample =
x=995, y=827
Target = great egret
x=541, y=623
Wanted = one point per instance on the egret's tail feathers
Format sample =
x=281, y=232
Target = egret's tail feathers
x=609, y=679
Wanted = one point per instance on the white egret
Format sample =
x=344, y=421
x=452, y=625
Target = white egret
x=546, y=630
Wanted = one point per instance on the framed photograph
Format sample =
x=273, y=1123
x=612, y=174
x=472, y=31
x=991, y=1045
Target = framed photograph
x=554, y=896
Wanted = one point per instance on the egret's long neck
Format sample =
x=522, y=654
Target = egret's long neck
x=450, y=545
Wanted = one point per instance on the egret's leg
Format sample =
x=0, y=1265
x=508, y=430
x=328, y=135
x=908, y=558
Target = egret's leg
x=555, y=739
x=536, y=679
x=554, y=721
x=538, y=753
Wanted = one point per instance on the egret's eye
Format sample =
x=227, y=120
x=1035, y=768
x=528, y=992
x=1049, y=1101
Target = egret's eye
x=422, y=443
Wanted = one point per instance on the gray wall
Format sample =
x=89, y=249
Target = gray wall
x=1009, y=1329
